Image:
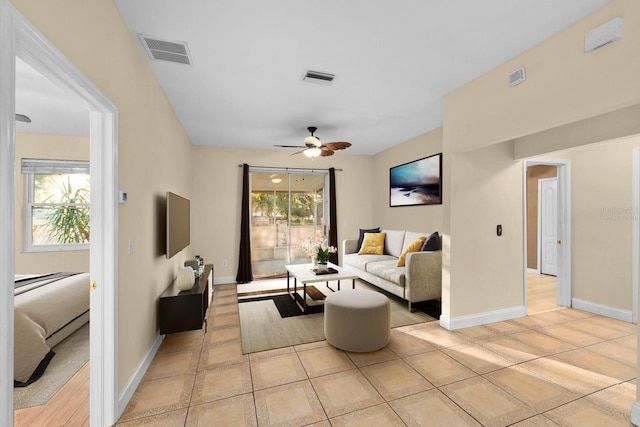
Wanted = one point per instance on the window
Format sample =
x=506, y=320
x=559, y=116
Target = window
x=57, y=194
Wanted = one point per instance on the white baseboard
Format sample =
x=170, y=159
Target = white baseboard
x=127, y=394
x=483, y=318
x=224, y=280
x=533, y=270
x=604, y=310
x=635, y=414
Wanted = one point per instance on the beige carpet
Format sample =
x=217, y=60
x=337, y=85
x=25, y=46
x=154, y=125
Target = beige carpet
x=262, y=328
x=71, y=355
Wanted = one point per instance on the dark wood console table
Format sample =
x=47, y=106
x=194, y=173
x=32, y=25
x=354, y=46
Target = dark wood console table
x=186, y=310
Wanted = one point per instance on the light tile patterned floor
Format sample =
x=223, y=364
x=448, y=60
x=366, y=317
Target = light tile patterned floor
x=560, y=367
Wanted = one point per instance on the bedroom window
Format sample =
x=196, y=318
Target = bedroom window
x=57, y=194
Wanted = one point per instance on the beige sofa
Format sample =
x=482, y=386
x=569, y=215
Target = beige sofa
x=419, y=280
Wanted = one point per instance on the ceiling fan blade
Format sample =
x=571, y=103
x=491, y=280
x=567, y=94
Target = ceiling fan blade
x=290, y=146
x=337, y=145
x=22, y=118
x=325, y=151
x=297, y=152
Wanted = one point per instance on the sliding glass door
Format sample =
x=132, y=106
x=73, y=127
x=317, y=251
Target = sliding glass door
x=287, y=205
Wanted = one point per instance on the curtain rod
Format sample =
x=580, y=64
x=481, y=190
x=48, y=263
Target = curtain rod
x=293, y=169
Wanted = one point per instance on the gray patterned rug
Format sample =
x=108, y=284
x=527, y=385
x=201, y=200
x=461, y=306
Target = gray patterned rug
x=71, y=355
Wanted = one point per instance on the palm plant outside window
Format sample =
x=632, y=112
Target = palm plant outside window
x=57, y=204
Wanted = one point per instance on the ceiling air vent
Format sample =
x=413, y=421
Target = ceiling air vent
x=517, y=77
x=318, y=77
x=164, y=50
x=603, y=35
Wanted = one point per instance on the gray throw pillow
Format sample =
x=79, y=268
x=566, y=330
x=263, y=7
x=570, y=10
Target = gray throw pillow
x=432, y=243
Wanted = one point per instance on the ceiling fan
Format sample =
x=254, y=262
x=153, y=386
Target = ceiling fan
x=314, y=148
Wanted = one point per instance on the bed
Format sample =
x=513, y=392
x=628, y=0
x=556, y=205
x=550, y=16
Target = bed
x=48, y=308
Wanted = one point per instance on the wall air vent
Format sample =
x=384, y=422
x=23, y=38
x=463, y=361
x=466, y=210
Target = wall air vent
x=164, y=50
x=318, y=77
x=603, y=35
x=517, y=77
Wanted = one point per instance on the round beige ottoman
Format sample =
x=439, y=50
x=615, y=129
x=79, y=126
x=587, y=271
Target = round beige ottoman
x=357, y=320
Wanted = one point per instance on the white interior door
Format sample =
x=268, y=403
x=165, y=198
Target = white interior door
x=549, y=226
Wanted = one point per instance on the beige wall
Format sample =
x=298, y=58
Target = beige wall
x=535, y=173
x=412, y=218
x=485, y=270
x=601, y=222
x=564, y=85
x=218, y=188
x=37, y=146
x=154, y=156
x=605, y=127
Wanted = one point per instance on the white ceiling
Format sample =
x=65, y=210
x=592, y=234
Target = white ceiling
x=393, y=63
x=50, y=108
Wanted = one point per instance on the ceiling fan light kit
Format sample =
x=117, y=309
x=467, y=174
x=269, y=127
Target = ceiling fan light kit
x=312, y=140
x=314, y=148
x=312, y=152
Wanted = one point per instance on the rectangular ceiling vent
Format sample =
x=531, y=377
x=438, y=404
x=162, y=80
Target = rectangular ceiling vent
x=603, y=35
x=517, y=77
x=164, y=50
x=318, y=77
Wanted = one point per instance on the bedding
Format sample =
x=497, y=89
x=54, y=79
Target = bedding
x=48, y=308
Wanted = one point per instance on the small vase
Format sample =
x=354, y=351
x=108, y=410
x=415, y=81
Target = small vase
x=322, y=267
x=314, y=261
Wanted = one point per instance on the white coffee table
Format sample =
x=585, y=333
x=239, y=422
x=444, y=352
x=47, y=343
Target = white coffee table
x=304, y=274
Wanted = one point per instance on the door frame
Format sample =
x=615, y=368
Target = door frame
x=296, y=171
x=19, y=37
x=635, y=232
x=563, y=287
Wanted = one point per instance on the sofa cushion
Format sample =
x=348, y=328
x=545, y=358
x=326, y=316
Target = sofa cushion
x=387, y=270
x=393, y=243
x=373, y=244
x=361, y=237
x=360, y=261
x=410, y=237
x=433, y=243
x=414, y=246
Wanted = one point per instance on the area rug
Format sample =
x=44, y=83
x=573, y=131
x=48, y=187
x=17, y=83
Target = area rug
x=312, y=292
x=71, y=355
x=286, y=305
x=263, y=328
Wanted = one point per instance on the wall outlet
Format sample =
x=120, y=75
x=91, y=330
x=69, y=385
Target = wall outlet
x=224, y=262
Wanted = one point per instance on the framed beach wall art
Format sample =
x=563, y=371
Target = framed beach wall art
x=416, y=183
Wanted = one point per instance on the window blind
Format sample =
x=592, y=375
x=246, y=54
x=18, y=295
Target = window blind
x=54, y=166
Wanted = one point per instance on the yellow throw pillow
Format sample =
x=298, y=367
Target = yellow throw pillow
x=414, y=246
x=372, y=244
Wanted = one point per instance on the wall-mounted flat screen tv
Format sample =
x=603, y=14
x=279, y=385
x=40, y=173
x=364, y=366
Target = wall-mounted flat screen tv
x=178, y=224
x=416, y=183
